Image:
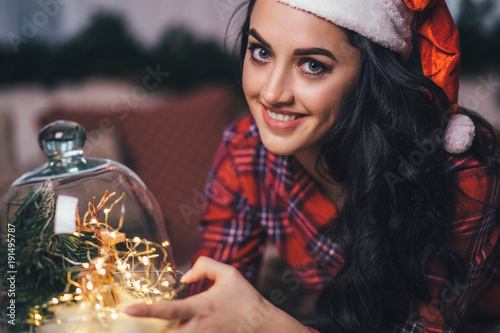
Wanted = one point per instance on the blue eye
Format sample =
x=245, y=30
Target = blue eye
x=260, y=54
x=313, y=66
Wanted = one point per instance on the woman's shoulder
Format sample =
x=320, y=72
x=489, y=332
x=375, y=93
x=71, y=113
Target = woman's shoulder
x=240, y=141
x=478, y=169
x=484, y=147
x=242, y=148
x=241, y=134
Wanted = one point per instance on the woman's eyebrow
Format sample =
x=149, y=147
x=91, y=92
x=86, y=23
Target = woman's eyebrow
x=315, y=50
x=257, y=36
x=298, y=52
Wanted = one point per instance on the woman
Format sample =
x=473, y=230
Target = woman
x=342, y=165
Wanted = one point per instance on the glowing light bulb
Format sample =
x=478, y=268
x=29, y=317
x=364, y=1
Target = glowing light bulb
x=99, y=263
x=90, y=286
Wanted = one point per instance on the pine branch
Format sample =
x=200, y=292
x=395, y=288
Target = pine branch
x=42, y=258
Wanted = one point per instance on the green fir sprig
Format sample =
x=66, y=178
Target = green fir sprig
x=43, y=258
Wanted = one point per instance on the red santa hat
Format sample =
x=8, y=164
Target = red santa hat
x=391, y=23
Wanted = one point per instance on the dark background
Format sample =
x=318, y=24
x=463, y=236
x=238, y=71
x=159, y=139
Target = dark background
x=107, y=48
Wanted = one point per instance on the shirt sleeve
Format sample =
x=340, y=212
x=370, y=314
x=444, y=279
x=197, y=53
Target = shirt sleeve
x=230, y=234
x=475, y=235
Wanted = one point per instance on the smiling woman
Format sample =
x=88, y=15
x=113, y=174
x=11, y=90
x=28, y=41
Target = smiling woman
x=357, y=169
x=289, y=74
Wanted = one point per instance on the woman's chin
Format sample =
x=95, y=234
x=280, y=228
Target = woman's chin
x=278, y=149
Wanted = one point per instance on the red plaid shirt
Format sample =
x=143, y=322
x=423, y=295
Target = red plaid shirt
x=254, y=196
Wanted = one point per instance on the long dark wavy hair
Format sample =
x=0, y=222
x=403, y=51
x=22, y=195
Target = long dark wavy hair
x=386, y=151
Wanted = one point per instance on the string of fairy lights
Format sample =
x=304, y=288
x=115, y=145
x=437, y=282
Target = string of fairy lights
x=95, y=285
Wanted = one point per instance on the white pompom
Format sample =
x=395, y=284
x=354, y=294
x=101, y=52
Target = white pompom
x=459, y=134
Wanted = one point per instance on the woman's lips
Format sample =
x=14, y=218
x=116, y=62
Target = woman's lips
x=282, y=120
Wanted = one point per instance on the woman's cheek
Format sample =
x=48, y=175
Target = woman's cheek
x=250, y=82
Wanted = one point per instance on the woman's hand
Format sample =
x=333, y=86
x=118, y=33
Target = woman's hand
x=230, y=305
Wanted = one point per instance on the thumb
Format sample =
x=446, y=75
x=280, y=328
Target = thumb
x=205, y=267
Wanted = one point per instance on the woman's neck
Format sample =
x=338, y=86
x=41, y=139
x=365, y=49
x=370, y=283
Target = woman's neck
x=333, y=191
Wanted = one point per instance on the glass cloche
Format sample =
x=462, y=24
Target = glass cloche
x=81, y=239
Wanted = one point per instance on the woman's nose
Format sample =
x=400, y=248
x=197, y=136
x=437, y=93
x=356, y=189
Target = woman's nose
x=278, y=88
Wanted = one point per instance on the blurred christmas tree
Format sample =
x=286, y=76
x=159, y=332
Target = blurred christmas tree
x=107, y=49
x=104, y=48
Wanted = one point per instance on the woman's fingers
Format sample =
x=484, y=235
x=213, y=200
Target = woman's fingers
x=188, y=308
x=232, y=304
x=197, y=311
x=175, y=309
x=205, y=267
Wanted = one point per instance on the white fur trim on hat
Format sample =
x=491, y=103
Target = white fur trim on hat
x=459, y=134
x=386, y=22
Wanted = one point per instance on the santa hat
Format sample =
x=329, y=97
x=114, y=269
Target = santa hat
x=390, y=23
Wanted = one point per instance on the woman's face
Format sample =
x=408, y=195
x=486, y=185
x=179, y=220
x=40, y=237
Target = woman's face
x=297, y=70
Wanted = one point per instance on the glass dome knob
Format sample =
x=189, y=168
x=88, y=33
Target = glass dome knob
x=62, y=139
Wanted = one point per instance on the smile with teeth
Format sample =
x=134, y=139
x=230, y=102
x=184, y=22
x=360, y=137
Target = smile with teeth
x=282, y=117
